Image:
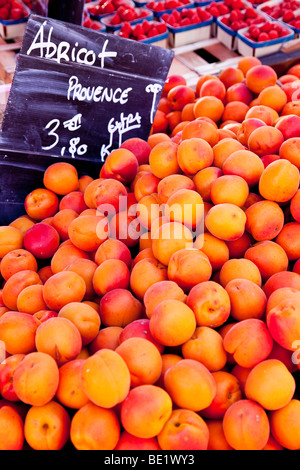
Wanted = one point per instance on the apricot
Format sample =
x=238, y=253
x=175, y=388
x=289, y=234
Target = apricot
x=159, y=291
x=216, y=439
x=246, y=425
x=18, y=332
x=60, y=338
x=202, y=128
x=172, y=323
x=41, y=203
x=279, y=181
x=259, y=77
x=264, y=220
x=223, y=149
x=289, y=126
x=163, y=159
x=73, y=201
x=230, y=189
x=62, y=288
x=282, y=279
x=169, y=238
x=22, y=223
x=145, y=411
x=109, y=275
x=247, y=127
x=206, y=346
x=119, y=307
x=231, y=75
x=31, y=299
x=288, y=240
x=188, y=267
x=139, y=329
x=84, y=317
x=246, y=164
x=129, y=442
x=247, y=299
x=170, y=184
x=121, y=164
x=270, y=384
x=69, y=392
x=61, y=178
x=36, y=379
x=246, y=63
x=11, y=429
x=15, y=261
x=273, y=96
x=210, y=303
x=113, y=249
x=47, y=427
x=284, y=425
x=185, y=429
x=235, y=110
x=202, y=386
x=226, y=221
x=239, y=268
x=209, y=106
x=87, y=232
x=62, y=220
x=179, y=96
x=249, y=341
x=265, y=140
x=143, y=360
x=65, y=255
x=106, y=338
x=283, y=324
x=194, y=154
x=269, y=257
x=94, y=428
x=204, y=179
x=105, y=378
x=145, y=273
x=215, y=249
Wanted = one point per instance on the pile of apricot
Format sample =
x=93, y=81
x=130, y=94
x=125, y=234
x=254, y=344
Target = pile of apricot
x=156, y=305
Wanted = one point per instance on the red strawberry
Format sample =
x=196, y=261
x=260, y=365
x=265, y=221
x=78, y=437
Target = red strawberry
x=4, y=13
x=263, y=37
x=16, y=14
x=273, y=34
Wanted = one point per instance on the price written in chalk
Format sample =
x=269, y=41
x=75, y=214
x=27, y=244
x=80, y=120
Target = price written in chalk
x=72, y=125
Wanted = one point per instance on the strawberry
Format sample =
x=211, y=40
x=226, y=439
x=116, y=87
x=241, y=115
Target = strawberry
x=153, y=32
x=16, y=14
x=4, y=13
x=115, y=19
x=263, y=37
x=273, y=34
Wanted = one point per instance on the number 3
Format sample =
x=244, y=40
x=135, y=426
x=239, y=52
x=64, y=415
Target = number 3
x=52, y=132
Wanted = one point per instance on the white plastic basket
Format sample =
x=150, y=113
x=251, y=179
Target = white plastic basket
x=189, y=34
x=10, y=29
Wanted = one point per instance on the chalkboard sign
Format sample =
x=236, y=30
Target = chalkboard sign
x=77, y=94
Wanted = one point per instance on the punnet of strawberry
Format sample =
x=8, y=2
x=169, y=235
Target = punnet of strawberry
x=238, y=19
x=142, y=31
x=217, y=9
x=186, y=17
x=127, y=13
x=106, y=7
x=266, y=31
x=12, y=10
x=163, y=5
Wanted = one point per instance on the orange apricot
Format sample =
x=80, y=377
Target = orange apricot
x=210, y=303
x=109, y=275
x=194, y=154
x=247, y=299
x=245, y=164
x=283, y=323
x=284, y=425
x=17, y=260
x=226, y=221
x=62, y=288
x=269, y=257
x=202, y=386
x=201, y=128
x=270, y=384
x=145, y=273
x=246, y=425
x=145, y=410
x=143, y=360
x=279, y=181
x=172, y=183
x=11, y=429
x=239, y=268
x=289, y=150
x=70, y=392
x=259, y=77
x=209, y=106
x=18, y=332
x=246, y=63
x=185, y=429
x=129, y=442
x=106, y=338
x=36, y=379
x=31, y=300
x=249, y=341
x=281, y=279
x=264, y=220
x=215, y=249
x=172, y=322
x=65, y=255
x=206, y=346
x=223, y=149
x=94, y=428
x=60, y=338
x=169, y=238
x=163, y=159
x=188, y=267
x=231, y=75
x=84, y=317
x=216, y=439
x=288, y=240
x=41, y=203
x=159, y=291
x=204, y=179
x=273, y=96
x=61, y=178
x=119, y=307
x=47, y=427
x=230, y=189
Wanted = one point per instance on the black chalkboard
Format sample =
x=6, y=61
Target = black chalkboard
x=77, y=94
